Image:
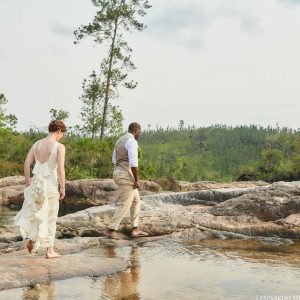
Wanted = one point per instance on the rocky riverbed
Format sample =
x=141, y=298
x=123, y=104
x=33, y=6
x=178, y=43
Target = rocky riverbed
x=268, y=213
x=84, y=193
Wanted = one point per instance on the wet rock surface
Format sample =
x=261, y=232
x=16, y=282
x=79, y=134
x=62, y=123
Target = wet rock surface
x=19, y=268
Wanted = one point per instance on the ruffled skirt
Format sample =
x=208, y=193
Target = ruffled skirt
x=38, y=216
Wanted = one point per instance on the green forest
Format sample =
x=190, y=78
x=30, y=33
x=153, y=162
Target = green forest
x=218, y=153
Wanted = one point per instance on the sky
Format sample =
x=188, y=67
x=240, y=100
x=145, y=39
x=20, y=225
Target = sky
x=205, y=62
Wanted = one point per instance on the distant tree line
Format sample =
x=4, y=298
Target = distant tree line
x=218, y=152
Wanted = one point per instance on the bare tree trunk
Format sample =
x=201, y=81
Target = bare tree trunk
x=93, y=122
x=107, y=85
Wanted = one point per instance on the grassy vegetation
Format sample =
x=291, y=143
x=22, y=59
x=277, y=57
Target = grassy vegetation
x=218, y=153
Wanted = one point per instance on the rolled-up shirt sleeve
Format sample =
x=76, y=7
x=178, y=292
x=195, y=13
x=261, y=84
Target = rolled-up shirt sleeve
x=132, y=148
x=114, y=157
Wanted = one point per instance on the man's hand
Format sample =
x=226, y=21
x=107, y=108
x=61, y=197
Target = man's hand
x=62, y=194
x=136, y=184
x=27, y=182
x=135, y=173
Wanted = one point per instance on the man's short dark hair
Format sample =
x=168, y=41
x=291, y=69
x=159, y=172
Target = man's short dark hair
x=134, y=126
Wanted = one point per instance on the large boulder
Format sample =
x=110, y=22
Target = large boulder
x=12, y=181
x=266, y=211
x=271, y=211
x=80, y=194
x=269, y=205
x=85, y=193
x=169, y=183
x=149, y=187
x=293, y=219
x=157, y=218
x=208, y=185
x=11, y=191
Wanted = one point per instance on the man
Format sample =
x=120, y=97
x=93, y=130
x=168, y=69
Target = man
x=126, y=176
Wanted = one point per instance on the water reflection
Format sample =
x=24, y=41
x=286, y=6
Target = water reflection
x=169, y=269
x=252, y=250
x=125, y=285
x=40, y=292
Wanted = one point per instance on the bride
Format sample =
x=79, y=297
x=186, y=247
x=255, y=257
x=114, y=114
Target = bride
x=38, y=216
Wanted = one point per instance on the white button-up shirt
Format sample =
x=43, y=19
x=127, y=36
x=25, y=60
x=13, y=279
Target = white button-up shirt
x=132, y=148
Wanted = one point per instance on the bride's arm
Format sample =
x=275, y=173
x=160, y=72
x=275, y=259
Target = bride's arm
x=61, y=169
x=28, y=161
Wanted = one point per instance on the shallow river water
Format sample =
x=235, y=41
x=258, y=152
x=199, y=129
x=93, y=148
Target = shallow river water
x=6, y=215
x=168, y=269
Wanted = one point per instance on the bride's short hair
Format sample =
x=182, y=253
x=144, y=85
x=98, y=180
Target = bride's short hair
x=57, y=125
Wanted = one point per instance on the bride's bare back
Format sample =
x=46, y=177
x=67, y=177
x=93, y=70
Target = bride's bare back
x=43, y=150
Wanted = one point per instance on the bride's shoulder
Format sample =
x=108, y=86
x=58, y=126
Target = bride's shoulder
x=39, y=141
x=60, y=146
x=36, y=142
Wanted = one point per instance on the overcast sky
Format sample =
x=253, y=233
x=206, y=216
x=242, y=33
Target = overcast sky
x=202, y=61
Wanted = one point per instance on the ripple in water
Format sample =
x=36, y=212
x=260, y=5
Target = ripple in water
x=169, y=269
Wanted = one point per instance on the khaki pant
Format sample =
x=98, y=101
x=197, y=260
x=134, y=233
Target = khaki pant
x=129, y=198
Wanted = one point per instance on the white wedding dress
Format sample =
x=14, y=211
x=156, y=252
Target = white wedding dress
x=38, y=216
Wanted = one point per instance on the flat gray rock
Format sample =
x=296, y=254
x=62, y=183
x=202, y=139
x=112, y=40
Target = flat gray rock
x=28, y=270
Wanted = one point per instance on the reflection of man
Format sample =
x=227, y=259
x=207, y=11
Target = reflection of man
x=126, y=175
x=124, y=285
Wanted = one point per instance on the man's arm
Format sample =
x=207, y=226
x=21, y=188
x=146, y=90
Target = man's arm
x=132, y=147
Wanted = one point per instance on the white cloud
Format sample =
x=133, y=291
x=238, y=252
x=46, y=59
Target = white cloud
x=185, y=23
x=61, y=29
x=245, y=17
x=251, y=23
x=290, y=2
x=180, y=23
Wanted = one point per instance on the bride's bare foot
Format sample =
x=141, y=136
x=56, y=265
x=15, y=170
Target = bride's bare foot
x=29, y=246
